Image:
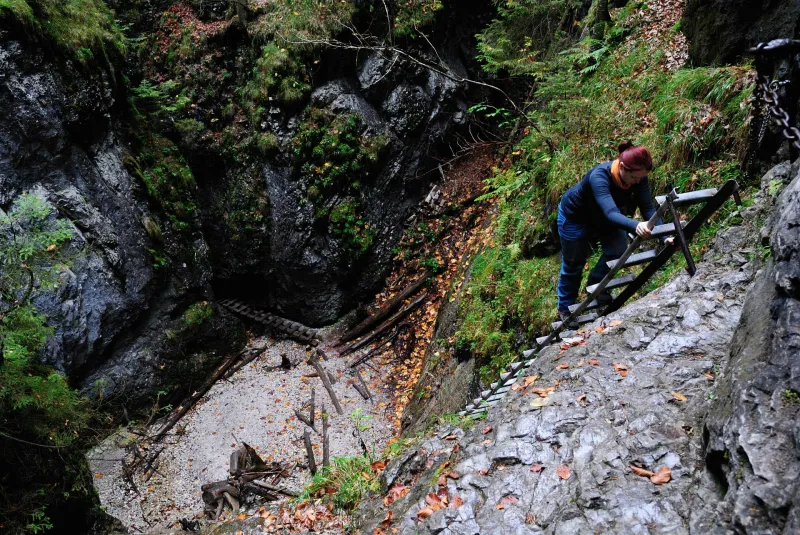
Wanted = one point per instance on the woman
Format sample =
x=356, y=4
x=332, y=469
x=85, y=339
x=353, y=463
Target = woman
x=590, y=212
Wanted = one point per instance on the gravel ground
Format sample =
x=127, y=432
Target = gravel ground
x=255, y=406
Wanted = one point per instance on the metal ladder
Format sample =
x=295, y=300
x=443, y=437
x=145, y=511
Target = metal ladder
x=654, y=259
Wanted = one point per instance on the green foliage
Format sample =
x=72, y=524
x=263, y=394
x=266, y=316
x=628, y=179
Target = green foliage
x=83, y=28
x=278, y=73
x=344, y=481
x=198, y=313
x=588, y=98
x=790, y=397
x=525, y=33
x=411, y=15
x=36, y=403
x=346, y=224
x=168, y=179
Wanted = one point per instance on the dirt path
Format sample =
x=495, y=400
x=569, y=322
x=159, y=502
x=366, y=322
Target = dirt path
x=255, y=406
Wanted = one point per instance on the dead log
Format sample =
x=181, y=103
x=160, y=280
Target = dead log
x=326, y=382
x=308, y=420
x=252, y=354
x=326, y=459
x=257, y=490
x=312, y=463
x=387, y=308
x=360, y=390
x=277, y=490
x=364, y=384
x=387, y=324
x=331, y=378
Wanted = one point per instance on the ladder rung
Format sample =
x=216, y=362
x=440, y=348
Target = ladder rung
x=638, y=258
x=614, y=283
x=527, y=353
x=586, y=318
x=691, y=197
x=664, y=230
x=593, y=305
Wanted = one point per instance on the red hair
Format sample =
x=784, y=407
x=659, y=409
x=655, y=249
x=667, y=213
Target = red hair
x=635, y=158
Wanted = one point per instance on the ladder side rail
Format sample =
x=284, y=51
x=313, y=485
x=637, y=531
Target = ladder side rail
x=689, y=230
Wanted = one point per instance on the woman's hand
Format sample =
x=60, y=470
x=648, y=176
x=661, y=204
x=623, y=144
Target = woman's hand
x=670, y=240
x=642, y=230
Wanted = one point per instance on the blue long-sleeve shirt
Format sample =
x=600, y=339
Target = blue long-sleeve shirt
x=595, y=200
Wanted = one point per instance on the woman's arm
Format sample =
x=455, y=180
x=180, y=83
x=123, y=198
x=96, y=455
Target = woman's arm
x=600, y=182
x=643, y=200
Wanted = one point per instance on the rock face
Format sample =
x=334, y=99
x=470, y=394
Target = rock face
x=690, y=373
x=750, y=439
x=113, y=310
x=720, y=31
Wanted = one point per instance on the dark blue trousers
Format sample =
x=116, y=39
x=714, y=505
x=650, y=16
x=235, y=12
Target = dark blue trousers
x=577, y=241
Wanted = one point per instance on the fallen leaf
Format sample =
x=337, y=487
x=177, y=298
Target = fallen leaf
x=50, y=248
x=600, y=328
x=540, y=402
x=424, y=513
x=563, y=472
x=387, y=520
x=709, y=376
x=620, y=368
x=242, y=516
x=395, y=493
x=378, y=466
x=537, y=467
x=450, y=437
x=98, y=475
x=562, y=366
x=508, y=500
x=487, y=429
x=615, y=323
x=662, y=476
x=594, y=362
x=456, y=502
x=679, y=396
x=452, y=475
x=442, y=481
x=543, y=392
x=641, y=471
x=582, y=399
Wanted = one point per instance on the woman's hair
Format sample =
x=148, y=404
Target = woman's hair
x=635, y=157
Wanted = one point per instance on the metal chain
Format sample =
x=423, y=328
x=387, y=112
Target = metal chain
x=769, y=95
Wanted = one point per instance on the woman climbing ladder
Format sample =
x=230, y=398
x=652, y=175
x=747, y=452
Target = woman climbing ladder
x=589, y=213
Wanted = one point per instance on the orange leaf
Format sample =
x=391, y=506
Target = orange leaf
x=450, y=437
x=562, y=366
x=452, y=475
x=487, y=429
x=662, y=476
x=51, y=247
x=600, y=328
x=582, y=399
x=641, y=471
x=679, y=396
x=563, y=471
x=378, y=466
x=456, y=502
x=537, y=467
x=442, y=481
x=508, y=500
x=386, y=521
x=615, y=323
x=395, y=493
x=424, y=513
x=594, y=362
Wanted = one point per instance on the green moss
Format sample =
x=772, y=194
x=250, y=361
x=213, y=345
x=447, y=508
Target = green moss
x=83, y=28
x=790, y=396
x=413, y=15
x=354, y=234
x=198, y=313
x=168, y=179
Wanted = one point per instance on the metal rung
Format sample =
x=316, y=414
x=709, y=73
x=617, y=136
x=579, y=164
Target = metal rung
x=496, y=397
x=586, y=318
x=614, y=283
x=591, y=306
x=476, y=414
x=541, y=339
x=504, y=376
x=527, y=353
x=692, y=197
x=638, y=258
x=666, y=229
x=514, y=366
x=503, y=390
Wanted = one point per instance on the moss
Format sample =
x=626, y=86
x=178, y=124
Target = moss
x=353, y=232
x=198, y=313
x=790, y=397
x=82, y=28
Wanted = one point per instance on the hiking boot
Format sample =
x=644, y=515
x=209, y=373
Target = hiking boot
x=563, y=315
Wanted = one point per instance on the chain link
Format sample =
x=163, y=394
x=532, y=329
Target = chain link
x=769, y=95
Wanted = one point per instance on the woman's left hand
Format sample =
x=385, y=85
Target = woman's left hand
x=670, y=240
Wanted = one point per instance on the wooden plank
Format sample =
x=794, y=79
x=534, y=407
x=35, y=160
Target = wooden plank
x=667, y=229
x=690, y=197
x=615, y=283
x=638, y=258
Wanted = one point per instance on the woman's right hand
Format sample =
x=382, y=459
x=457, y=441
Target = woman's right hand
x=642, y=230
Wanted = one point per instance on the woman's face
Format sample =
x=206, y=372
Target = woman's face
x=632, y=177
